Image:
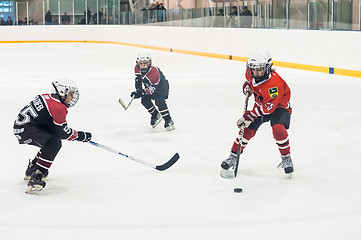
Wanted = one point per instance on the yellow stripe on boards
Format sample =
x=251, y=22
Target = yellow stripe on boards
x=337, y=71
x=301, y=66
x=203, y=54
x=346, y=72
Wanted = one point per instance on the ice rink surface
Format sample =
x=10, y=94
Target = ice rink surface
x=95, y=194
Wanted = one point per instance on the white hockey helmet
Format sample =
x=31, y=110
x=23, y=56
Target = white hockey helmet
x=63, y=87
x=260, y=59
x=144, y=58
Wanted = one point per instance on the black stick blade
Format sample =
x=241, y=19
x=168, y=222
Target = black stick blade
x=168, y=164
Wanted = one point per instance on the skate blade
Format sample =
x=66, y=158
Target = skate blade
x=157, y=123
x=34, y=189
x=170, y=128
x=227, y=174
x=289, y=175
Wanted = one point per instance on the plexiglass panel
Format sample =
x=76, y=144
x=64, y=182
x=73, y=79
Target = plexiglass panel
x=288, y=14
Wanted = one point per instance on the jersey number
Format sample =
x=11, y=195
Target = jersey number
x=25, y=115
x=269, y=106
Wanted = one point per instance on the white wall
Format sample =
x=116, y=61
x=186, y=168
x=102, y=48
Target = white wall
x=338, y=49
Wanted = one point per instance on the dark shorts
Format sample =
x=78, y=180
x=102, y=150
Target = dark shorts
x=279, y=116
x=162, y=91
x=33, y=136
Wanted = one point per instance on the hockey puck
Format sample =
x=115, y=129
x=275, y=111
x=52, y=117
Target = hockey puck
x=238, y=190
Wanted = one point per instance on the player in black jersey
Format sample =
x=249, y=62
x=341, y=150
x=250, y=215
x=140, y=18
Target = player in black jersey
x=152, y=86
x=42, y=123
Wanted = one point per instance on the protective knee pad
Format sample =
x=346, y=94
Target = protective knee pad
x=279, y=132
x=249, y=133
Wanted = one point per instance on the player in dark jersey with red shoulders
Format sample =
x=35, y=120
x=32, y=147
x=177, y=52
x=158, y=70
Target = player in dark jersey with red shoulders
x=42, y=123
x=152, y=86
x=272, y=103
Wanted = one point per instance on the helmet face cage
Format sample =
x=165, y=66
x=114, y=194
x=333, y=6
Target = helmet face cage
x=65, y=86
x=260, y=59
x=74, y=100
x=144, y=58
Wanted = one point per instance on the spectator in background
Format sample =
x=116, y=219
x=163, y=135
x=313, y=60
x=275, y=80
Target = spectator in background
x=220, y=12
x=55, y=21
x=88, y=15
x=20, y=22
x=219, y=20
x=233, y=17
x=65, y=19
x=234, y=11
x=161, y=12
x=82, y=21
x=33, y=22
x=246, y=20
x=9, y=22
x=2, y=22
x=144, y=15
x=95, y=17
x=152, y=10
x=48, y=18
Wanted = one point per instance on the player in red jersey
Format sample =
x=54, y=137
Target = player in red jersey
x=42, y=123
x=272, y=104
x=156, y=88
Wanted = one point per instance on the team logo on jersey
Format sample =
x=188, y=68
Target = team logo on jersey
x=273, y=92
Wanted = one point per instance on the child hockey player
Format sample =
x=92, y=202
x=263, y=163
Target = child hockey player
x=272, y=104
x=152, y=86
x=42, y=123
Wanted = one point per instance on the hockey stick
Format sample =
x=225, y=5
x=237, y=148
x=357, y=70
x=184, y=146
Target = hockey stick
x=123, y=103
x=226, y=173
x=162, y=167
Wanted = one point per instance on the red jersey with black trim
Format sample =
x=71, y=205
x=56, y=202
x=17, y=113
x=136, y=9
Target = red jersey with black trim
x=48, y=113
x=151, y=79
x=270, y=94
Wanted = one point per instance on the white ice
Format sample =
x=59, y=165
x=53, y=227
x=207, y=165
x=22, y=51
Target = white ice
x=94, y=194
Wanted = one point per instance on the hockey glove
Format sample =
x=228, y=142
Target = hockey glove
x=84, y=136
x=247, y=88
x=247, y=118
x=137, y=94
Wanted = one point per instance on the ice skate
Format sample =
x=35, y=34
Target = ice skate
x=286, y=164
x=31, y=168
x=169, y=124
x=155, y=120
x=229, y=162
x=36, y=182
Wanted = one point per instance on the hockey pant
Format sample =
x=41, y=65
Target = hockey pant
x=49, y=146
x=280, y=122
x=159, y=102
